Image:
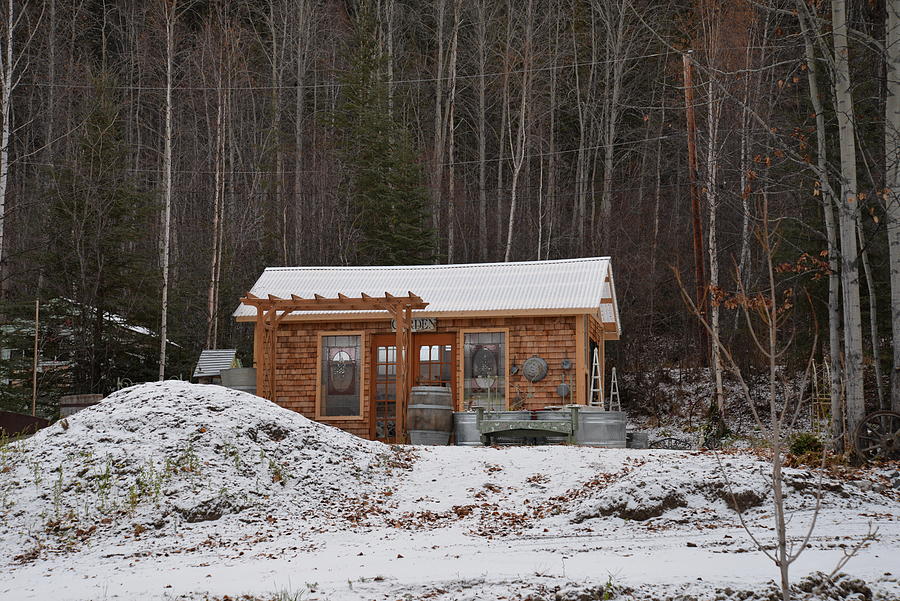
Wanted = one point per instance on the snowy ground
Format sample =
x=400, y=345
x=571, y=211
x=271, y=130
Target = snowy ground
x=177, y=491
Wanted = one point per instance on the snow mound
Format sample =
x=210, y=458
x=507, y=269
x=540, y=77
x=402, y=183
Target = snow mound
x=154, y=457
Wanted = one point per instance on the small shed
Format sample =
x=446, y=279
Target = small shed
x=212, y=362
x=343, y=345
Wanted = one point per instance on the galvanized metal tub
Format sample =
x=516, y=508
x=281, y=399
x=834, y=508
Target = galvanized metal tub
x=638, y=440
x=559, y=415
x=465, y=429
x=239, y=378
x=429, y=416
x=600, y=428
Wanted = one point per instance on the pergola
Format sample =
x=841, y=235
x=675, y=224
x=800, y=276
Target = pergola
x=270, y=311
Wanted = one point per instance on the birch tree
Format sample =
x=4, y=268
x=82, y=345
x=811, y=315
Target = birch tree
x=11, y=72
x=848, y=209
x=892, y=179
x=169, y=8
x=517, y=148
x=826, y=194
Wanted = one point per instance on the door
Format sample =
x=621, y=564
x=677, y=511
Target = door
x=434, y=360
x=434, y=364
x=384, y=388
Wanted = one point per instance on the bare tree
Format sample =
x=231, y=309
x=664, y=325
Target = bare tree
x=826, y=194
x=892, y=178
x=848, y=209
x=772, y=307
x=169, y=8
x=11, y=71
x=517, y=148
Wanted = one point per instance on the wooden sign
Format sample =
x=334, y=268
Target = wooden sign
x=422, y=324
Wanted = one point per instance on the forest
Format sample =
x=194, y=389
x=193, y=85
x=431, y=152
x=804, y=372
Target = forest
x=157, y=155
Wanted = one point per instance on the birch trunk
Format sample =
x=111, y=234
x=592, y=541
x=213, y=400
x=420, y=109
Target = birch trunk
x=481, y=33
x=167, y=183
x=616, y=60
x=828, y=201
x=892, y=179
x=301, y=50
x=551, y=155
x=873, y=316
x=518, y=154
x=449, y=120
x=212, y=332
x=713, y=114
x=518, y=151
x=847, y=216
x=7, y=66
x=437, y=170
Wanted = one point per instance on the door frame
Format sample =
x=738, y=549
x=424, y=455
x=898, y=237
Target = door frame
x=378, y=340
x=418, y=340
x=434, y=338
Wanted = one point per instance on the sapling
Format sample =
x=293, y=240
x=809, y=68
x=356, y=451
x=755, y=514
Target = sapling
x=58, y=492
x=772, y=313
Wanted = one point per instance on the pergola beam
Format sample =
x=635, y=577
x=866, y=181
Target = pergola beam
x=271, y=310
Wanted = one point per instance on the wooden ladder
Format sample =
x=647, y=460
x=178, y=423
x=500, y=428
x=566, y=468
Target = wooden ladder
x=596, y=399
x=615, y=403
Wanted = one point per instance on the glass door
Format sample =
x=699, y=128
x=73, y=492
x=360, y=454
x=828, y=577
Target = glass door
x=384, y=389
x=435, y=360
x=434, y=364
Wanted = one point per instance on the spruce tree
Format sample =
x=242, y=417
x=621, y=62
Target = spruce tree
x=384, y=180
x=96, y=258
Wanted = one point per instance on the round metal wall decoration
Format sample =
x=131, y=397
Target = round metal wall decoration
x=534, y=369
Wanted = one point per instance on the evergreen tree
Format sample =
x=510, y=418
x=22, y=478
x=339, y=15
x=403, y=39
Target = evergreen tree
x=96, y=252
x=384, y=180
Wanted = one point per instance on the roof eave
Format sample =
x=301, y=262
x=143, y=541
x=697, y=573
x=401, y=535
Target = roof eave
x=420, y=314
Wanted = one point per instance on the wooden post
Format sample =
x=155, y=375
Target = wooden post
x=410, y=359
x=259, y=334
x=699, y=267
x=402, y=361
x=34, y=367
x=579, y=395
x=272, y=364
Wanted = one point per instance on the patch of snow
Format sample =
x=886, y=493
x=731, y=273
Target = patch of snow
x=182, y=491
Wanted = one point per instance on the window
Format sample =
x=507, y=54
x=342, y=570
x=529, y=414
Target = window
x=485, y=371
x=340, y=376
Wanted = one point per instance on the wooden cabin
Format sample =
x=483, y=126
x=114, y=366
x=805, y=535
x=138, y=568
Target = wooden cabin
x=327, y=339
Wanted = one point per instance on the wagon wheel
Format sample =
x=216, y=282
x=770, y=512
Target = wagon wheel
x=671, y=443
x=878, y=436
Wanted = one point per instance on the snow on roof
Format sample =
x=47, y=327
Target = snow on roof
x=567, y=284
x=212, y=361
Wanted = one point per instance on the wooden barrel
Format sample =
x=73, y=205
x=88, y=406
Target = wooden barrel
x=429, y=417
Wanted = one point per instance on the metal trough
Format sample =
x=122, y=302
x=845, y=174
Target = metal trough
x=240, y=378
x=598, y=428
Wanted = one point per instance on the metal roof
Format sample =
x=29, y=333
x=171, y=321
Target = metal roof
x=568, y=285
x=213, y=361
